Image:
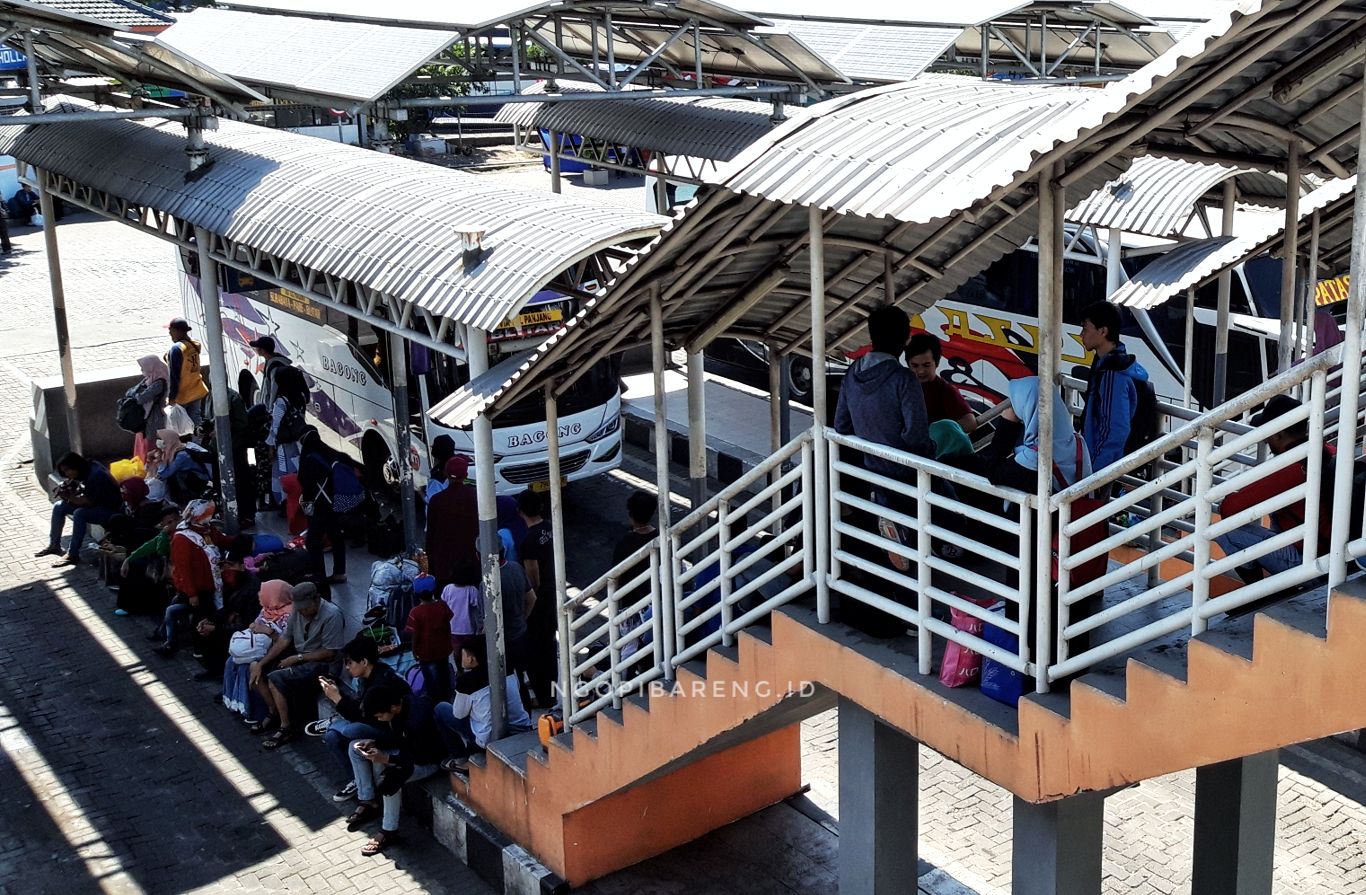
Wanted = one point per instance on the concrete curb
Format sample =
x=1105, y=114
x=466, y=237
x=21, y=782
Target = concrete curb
x=500, y=862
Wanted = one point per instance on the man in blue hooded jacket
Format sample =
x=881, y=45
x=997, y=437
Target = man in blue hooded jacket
x=1112, y=397
x=881, y=400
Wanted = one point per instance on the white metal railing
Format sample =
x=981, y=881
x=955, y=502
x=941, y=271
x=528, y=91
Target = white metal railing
x=989, y=524
x=744, y=552
x=1175, y=512
x=962, y=543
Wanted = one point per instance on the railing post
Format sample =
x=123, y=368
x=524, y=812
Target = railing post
x=832, y=508
x=1155, y=536
x=1351, y=378
x=675, y=606
x=821, y=520
x=1026, y=588
x=1318, y=388
x=1204, y=481
x=613, y=643
x=562, y=611
x=924, y=546
x=1045, y=637
x=658, y=628
x=723, y=569
x=667, y=598
x=808, y=512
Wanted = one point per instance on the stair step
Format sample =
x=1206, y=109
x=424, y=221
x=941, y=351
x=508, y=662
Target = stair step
x=1311, y=619
x=760, y=632
x=697, y=667
x=513, y=750
x=640, y=700
x=732, y=653
x=1058, y=703
x=613, y=715
x=1234, y=642
x=1113, y=685
x=1165, y=660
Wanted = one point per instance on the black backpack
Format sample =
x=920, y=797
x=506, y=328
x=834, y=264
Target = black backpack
x=130, y=415
x=292, y=425
x=1143, y=429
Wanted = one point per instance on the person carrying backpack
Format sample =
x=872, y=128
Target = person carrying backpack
x=1113, y=418
x=331, y=489
x=287, y=425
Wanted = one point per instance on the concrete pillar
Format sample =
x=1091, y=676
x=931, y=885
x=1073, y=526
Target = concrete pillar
x=486, y=487
x=218, y=376
x=697, y=431
x=1235, y=826
x=403, y=438
x=879, y=804
x=1057, y=846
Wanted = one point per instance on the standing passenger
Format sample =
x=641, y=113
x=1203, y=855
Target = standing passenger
x=943, y=401
x=1112, y=395
x=187, y=386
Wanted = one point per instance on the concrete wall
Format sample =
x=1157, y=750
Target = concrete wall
x=97, y=392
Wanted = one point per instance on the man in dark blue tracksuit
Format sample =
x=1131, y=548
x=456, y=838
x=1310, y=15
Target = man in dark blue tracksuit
x=1112, y=396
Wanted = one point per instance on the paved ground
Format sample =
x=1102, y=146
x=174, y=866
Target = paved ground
x=122, y=776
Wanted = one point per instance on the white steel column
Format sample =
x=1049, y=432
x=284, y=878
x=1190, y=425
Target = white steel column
x=1351, y=374
x=1189, y=361
x=54, y=276
x=485, y=483
x=403, y=438
x=218, y=375
x=35, y=89
x=1051, y=204
x=1285, y=349
x=1114, y=255
x=554, y=161
x=566, y=653
x=659, y=360
x=1221, y=321
x=821, y=518
x=1308, y=292
x=697, y=431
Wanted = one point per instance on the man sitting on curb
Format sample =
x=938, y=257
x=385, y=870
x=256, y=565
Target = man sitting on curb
x=316, y=633
x=365, y=671
x=406, y=749
x=466, y=722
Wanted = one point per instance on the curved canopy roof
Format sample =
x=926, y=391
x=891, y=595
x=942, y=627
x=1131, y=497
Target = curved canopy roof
x=1158, y=196
x=699, y=127
x=1193, y=264
x=390, y=226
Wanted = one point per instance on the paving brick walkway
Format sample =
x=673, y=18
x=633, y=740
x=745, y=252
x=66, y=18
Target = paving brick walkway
x=120, y=773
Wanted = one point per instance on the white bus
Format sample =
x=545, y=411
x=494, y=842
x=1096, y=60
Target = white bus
x=345, y=361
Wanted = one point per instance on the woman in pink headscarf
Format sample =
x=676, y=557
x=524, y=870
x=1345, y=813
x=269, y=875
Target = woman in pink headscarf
x=150, y=392
x=250, y=646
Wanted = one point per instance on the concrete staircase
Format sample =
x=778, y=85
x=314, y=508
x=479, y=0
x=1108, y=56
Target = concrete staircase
x=672, y=765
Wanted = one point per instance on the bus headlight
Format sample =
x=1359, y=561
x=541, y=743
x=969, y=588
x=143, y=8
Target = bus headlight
x=608, y=428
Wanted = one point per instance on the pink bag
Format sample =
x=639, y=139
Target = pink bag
x=961, y=665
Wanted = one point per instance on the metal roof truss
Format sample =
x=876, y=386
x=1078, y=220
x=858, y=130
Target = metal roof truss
x=618, y=157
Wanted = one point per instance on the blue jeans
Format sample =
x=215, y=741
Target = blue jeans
x=1245, y=536
x=81, y=517
x=455, y=732
x=338, y=741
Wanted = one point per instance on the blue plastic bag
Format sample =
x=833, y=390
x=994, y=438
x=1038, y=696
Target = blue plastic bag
x=1000, y=682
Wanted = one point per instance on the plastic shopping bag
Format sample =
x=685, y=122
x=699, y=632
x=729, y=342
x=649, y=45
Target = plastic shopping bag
x=127, y=469
x=1001, y=682
x=962, y=665
x=178, y=420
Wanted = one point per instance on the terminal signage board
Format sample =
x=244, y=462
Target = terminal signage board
x=11, y=59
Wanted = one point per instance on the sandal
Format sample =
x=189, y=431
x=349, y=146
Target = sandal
x=378, y=843
x=364, y=813
x=49, y=550
x=68, y=560
x=265, y=725
x=279, y=738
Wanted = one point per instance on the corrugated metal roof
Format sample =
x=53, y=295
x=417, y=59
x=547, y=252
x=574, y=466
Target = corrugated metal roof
x=1190, y=265
x=1155, y=197
x=69, y=40
x=120, y=13
x=874, y=52
x=463, y=16
x=701, y=127
x=915, y=151
x=346, y=60
x=387, y=223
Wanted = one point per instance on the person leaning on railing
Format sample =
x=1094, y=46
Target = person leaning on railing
x=1265, y=487
x=1012, y=458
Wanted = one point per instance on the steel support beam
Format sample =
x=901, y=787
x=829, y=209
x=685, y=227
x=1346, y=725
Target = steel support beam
x=659, y=363
x=562, y=613
x=218, y=377
x=820, y=447
x=46, y=207
x=1289, y=260
x=485, y=483
x=403, y=438
x=1052, y=203
x=1222, y=314
x=697, y=431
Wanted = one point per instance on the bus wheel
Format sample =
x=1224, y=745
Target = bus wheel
x=801, y=378
x=381, y=472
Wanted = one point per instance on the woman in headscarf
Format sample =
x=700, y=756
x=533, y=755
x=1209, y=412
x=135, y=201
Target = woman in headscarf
x=452, y=523
x=183, y=467
x=150, y=392
x=277, y=603
x=1015, y=445
x=195, y=573
x=287, y=415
